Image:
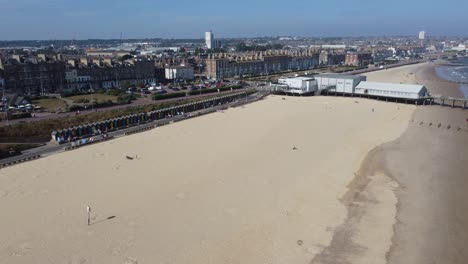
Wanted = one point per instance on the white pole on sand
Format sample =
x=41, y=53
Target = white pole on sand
x=88, y=211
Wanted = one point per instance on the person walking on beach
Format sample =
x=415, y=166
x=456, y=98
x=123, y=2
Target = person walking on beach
x=88, y=211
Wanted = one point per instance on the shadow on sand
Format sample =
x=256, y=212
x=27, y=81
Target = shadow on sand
x=105, y=219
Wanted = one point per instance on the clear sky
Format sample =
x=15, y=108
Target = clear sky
x=81, y=19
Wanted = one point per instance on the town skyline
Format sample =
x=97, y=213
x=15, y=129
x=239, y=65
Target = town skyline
x=153, y=19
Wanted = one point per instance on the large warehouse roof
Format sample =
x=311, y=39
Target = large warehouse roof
x=408, y=88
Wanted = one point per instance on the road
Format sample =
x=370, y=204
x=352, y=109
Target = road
x=136, y=103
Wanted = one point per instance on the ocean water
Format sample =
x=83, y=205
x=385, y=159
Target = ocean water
x=456, y=74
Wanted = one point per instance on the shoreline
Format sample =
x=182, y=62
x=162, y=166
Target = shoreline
x=430, y=77
x=412, y=186
x=383, y=204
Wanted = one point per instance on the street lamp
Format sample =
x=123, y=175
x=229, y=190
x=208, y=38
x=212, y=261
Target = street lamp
x=5, y=104
x=199, y=74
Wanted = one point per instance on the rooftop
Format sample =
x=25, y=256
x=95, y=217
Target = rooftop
x=396, y=87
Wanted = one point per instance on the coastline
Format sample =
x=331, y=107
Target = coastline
x=428, y=76
x=426, y=169
x=377, y=195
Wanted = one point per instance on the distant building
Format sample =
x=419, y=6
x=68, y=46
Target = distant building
x=2, y=81
x=422, y=35
x=104, y=73
x=107, y=53
x=33, y=75
x=358, y=59
x=380, y=56
x=460, y=47
x=341, y=47
x=179, y=73
x=224, y=65
x=209, y=40
x=331, y=58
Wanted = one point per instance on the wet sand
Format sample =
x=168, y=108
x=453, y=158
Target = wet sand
x=425, y=173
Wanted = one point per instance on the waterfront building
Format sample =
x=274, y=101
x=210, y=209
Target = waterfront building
x=391, y=90
x=297, y=85
x=340, y=83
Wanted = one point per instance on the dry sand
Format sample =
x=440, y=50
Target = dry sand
x=223, y=188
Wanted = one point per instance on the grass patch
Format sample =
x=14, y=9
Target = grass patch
x=168, y=96
x=78, y=99
x=40, y=131
x=51, y=104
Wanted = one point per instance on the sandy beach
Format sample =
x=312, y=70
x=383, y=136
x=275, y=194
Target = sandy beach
x=283, y=180
x=224, y=188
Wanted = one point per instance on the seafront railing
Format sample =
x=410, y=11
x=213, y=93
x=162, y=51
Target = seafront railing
x=103, y=127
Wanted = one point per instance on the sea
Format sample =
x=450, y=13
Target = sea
x=457, y=74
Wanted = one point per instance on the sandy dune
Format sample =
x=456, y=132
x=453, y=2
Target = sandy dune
x=223, y=188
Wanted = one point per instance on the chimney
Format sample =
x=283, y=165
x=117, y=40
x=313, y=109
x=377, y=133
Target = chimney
x=94, y=61
x=107, y=61
x=84, y=61
x=16, y=57
x=41, y=56
x=72, y=62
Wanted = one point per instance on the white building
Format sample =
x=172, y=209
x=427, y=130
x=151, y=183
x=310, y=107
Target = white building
x=209, y=40
x=422, y=35
x=333, y=46
x=460, y=47
x=298, y=85
x=339, y=83
x=402, y=91
x=179, y=73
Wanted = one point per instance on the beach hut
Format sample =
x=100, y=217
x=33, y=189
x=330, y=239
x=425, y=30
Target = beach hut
x=55, y=135
x=66, y=133
x=80, y=131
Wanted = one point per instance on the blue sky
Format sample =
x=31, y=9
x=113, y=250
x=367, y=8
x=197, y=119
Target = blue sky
x=81, y=19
